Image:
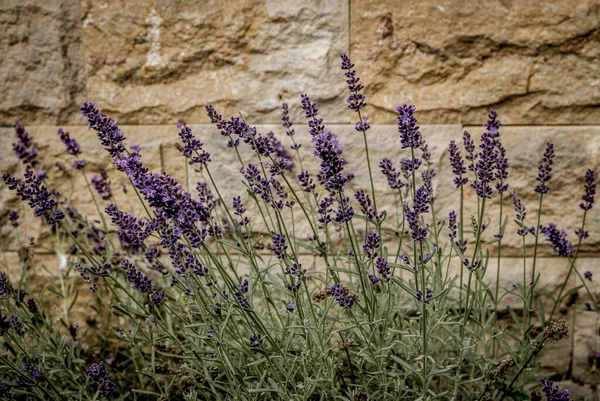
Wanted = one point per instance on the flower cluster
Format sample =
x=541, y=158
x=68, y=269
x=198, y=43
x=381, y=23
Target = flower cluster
x=109, y=134
x=557, y=239
x=590, y=191
x=458, y=166
x=192, y=148
x=73, y=148
x=33, y=191
x=23, y=148
x=102, y=185
x=544, y=169
x=141, y=282
x=342, y=296
x=101, y=379
x=356, y=100
x=553, y=393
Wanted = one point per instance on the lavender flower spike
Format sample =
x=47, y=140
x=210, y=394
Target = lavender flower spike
x=356, y=100
x=558, y=240
x=590, y=191
x=458, y=166
x=101, y=379
x=553, y=393
x=23, y=148
x=73, y=148
x=544, y=169
x=410, y=135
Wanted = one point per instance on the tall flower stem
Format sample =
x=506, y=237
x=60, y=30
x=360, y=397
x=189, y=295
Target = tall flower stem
x=535, y=247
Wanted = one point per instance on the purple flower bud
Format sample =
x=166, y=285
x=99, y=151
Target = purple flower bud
x=588, y=275
x=590, y=191
x=101, y=379
x=458, y=166
x=545, y=169
x=410, y=135
x=356, y=100
x=342, y=296
x=23, y=148
x=553, y=393
x=393, y=177
x=192, y=148
x=558, y=240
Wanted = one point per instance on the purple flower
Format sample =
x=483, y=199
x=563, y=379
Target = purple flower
x=590, y=191
x=426, y=299
x=192, y=148
x=520, y=217
x=34, y=368
x=553, y=393
x=141, y=282
x=5, y=392
x=5, y=324
x=132, y=232
x=344, y=212
x=106, y=129
x=583, y=234
x=469, y=145
x=13, y=217
x=282, y=159
x=72, y=145
x=310, y=111
x=238, y=210
x=588, y=275
x=325, y=210
x=393, y=177
x=372, y=244
x=256, y=340
x=356, y=100
x=364, y=200
x=421, y=204
x=78, y=164
x=329, y=151
x=558, y=240
x=279, y=245
x=458, y=166
x=545, y=169
x=410, y=135
x=38, y=196
x=101, y=379
x=17, y=325
x=342, y=296
x=23, y=148
x=285, y=118
x=383, y=268
x=290, y=307
x=452, y=226
x=5, y=285
x=102, y=185
x=489, y=165
x=372, y=277
x=307, y=183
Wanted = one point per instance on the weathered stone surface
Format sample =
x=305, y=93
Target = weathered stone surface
x=537, y=62
x=150, y=62
x=42, y=72
x=159, y=154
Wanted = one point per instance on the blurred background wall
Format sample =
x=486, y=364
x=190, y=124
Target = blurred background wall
x=150, y=64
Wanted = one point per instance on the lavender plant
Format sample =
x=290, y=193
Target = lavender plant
x=187, y=305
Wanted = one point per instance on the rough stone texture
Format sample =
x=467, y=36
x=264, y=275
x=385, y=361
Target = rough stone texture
x=42, y=72
x=537, y=62
x=157, y=62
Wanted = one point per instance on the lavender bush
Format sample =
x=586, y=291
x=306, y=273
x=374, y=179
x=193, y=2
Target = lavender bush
x=186, y=306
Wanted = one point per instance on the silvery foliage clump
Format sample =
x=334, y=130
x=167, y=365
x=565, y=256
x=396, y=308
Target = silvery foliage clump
x=204, y=297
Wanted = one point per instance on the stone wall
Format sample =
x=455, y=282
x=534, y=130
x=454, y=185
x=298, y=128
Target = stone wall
x=150, y=64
